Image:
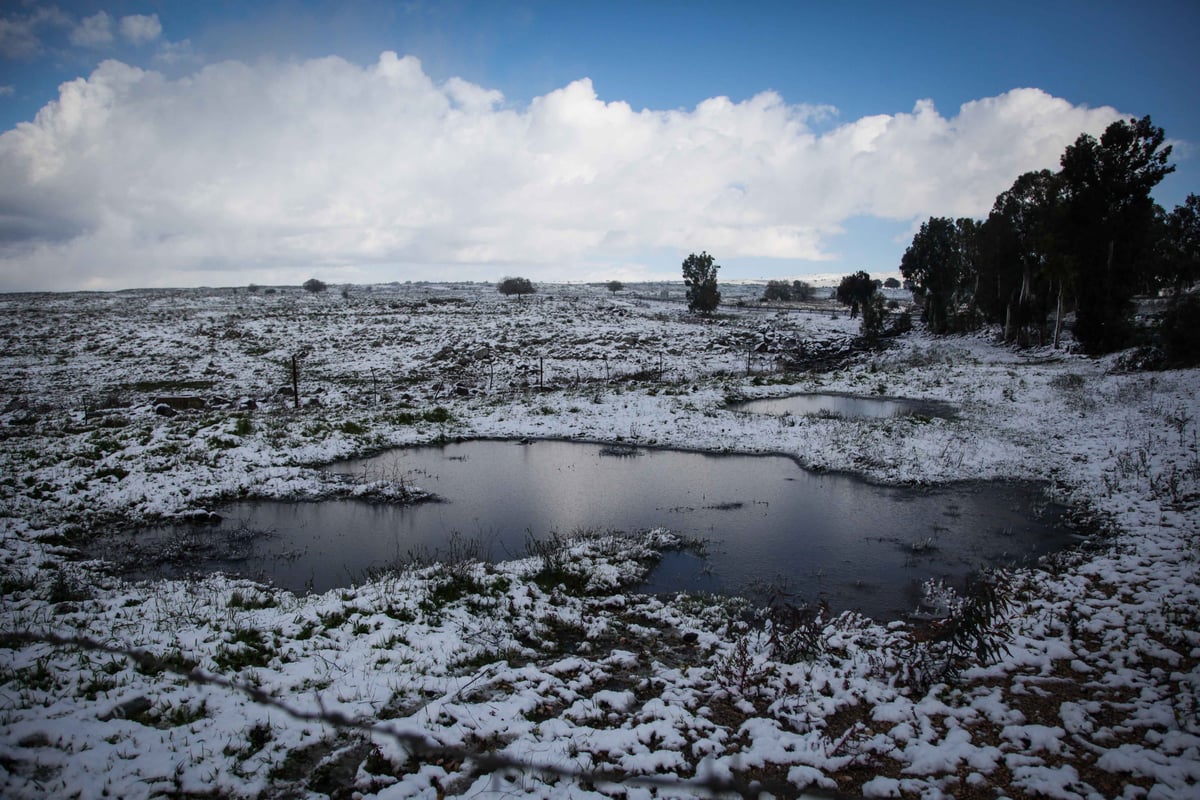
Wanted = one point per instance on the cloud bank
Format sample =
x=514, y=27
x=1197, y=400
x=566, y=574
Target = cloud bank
x=270, y=172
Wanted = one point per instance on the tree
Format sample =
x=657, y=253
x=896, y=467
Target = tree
x=1020, y=269
x=313, y=285
x=614, y=286
x=1178, y=248
x=517, y=286
x=700, y=277
x=936, y=267
x=1179, y=332
x=802, y=291
x=1107, y=224
x=777, y=290
x=891, y=283
x=854, y=290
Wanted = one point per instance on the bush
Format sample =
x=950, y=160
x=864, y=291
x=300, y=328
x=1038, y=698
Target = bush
x=902, y=324
x=313, y=285
x=974, y=631
x=873, y=316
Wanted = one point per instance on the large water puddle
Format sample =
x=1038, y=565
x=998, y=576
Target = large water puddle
x=845, y=405
x=766, y=521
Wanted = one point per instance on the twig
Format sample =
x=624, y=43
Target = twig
x=422, y=745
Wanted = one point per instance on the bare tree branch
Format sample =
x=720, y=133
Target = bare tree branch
x=421, y=745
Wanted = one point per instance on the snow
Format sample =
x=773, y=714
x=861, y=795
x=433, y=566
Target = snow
x=1098, y=689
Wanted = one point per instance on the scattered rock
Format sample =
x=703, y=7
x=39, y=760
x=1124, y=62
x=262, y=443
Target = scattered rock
x=127, y=710
x=37, y=739
x=180, y=402
x=200, y=516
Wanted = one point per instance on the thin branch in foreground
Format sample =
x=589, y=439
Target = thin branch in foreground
x=421, y=745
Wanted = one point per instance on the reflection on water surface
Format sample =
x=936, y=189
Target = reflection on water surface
x=829, y=536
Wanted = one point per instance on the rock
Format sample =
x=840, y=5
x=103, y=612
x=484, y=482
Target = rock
x=129, y=709
x=164, y=410
x=180, y=402
x=200, y=516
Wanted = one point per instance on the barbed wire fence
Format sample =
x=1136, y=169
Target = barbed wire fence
x=421, y=746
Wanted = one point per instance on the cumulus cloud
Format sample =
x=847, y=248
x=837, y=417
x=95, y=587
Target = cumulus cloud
x=245, y=172
x=141, y=28
x=93, y=31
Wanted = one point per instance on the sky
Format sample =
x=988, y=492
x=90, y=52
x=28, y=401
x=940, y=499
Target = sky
x=160, y=143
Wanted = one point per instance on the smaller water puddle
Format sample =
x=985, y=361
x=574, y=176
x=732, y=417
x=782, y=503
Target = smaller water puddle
x=845, y=405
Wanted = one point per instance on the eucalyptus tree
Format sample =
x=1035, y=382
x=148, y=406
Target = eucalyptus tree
x=939, y=268
x=1107, y=224
x=1020, y=266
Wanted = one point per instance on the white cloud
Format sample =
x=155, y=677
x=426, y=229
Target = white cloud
x=93, y=31
x=174, y=53
x=240, y=171
x=7, y=90
x=19, y=33
x=141, y=28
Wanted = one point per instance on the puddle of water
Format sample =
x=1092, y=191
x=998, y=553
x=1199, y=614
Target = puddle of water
x=824, y=536
x=844, y=405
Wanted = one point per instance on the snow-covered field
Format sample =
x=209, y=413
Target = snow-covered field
x=435, y=680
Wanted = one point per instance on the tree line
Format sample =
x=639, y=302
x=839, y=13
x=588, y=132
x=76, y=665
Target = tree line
x=1086, y=238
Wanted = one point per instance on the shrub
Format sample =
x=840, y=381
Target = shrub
x=974, y=631
x=313, y=285
x=437, y=415
x=873, y=316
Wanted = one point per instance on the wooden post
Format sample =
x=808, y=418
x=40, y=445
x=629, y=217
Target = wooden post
x=295, y=382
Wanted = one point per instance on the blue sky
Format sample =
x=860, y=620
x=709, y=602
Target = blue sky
x=227, y=142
